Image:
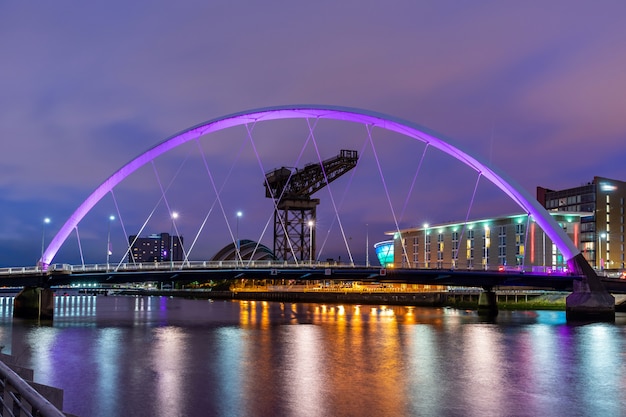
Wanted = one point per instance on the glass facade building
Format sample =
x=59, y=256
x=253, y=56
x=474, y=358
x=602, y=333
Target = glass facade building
x=384, y=252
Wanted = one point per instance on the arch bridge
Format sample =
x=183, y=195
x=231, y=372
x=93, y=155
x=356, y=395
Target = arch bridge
x=589, y=296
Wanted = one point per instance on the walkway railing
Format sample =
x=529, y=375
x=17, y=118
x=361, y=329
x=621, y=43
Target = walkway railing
x=18, y=398
x=254, y=264
x=21, y=270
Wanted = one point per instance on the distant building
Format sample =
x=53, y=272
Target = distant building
x=602, y=223
x=247, y=250
x=512, y=242
x=155, y=248
x=384, y=252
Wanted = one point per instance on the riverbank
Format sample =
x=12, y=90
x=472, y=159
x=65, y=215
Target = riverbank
x=507, y=300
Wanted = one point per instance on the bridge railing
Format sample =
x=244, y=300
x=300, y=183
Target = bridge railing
x=18, y=398
x=185, y=265
x=254, y=264
x=21, y=270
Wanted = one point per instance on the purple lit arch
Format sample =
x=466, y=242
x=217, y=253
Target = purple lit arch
x=515, y=192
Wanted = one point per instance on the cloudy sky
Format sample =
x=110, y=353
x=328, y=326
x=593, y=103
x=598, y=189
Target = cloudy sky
x=538, y=88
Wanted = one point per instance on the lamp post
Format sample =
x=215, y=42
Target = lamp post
x=238, y=247
x=43, y=237
x=311, y=242
x=111, y=218
x=174, y=217
x=425, y=234
x=367, y=245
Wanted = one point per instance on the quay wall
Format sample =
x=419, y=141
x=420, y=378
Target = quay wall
x=465, y=300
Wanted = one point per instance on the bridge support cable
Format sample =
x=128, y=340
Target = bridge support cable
x=281, y=225
x=208, y=214
x=340, y=205
x=274, y=198
x=294, y=207
x=129, y=252
x=121, y=219
x=405, y=256
x=80, y=247
x=219, y=199
x=341, y=202
x=324, y=167
x=170, y=212
x=469, y=210
x=281, y=234
x=412, y=186
x=217, y=192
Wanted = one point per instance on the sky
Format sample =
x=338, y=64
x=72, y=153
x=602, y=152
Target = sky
x=537, y=88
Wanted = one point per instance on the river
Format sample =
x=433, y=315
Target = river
x=158, y=356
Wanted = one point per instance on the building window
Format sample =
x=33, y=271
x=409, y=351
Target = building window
x=440, y=250
x=427, y=251
x=455, y=247
x=415, y=250
x=520, y=241
x=486, y=244
x=502, y=245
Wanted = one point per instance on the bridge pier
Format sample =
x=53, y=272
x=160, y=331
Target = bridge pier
x=488, y=303
x=34, y=303
x=589, y=300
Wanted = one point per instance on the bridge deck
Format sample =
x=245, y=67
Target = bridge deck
x=62, y=274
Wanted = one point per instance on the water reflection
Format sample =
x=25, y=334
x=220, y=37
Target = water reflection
x=157, y=356
x=169, y=342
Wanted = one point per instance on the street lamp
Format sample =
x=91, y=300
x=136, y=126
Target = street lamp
x=43, y=237
x=426, y=225
x=111, y=218
x=310, y=242
x=367, y=244
x=174, y=217
x=238, y=247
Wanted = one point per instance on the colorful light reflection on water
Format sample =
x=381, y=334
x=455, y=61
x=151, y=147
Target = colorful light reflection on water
x=154, y=356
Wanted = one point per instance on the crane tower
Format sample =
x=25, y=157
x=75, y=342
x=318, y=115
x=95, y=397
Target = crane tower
x=294, y=209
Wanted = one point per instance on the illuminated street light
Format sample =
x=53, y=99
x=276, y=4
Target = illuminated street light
x=43, y=237
x=238, y=247
x=109, y=252
x=311, y=242
x=174, y=217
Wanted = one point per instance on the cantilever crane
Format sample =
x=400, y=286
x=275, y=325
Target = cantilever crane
x=294, y=213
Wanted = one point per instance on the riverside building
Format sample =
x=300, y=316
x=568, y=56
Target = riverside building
x=601, y=203
x=507, y=242
x=161, y=247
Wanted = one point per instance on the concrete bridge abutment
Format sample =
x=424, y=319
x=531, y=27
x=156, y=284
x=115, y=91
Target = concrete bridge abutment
x=34, y=303
x=589, y=300
x=488, y=303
